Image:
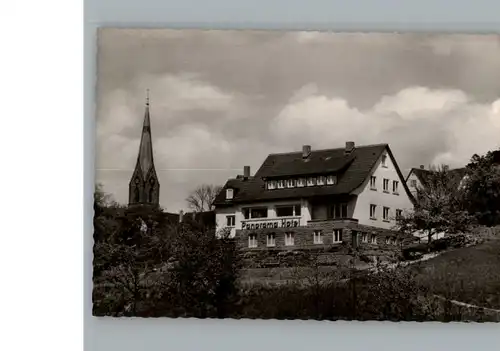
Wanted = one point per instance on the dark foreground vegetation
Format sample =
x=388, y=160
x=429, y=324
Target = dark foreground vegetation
x=148, y=267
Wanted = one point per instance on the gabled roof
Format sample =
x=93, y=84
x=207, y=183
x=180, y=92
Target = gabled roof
x=352, y=170
x=420, y=173
x=292, y=164
x=456, y=174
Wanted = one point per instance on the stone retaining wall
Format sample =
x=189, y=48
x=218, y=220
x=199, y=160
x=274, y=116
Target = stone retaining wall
x=327, y=253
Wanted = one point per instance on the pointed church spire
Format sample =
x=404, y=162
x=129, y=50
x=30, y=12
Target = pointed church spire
x=145, y=157
x=144, y=186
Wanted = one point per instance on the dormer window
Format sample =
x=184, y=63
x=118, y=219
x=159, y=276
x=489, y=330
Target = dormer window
x=301, y=182
x=271, y=184
x=280, y=184
x=331, y=180
x=229, y=194
x=290, y=183
x=311, y=181
x=321, y=180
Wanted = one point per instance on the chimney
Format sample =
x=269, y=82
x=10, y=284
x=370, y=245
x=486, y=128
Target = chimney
x=422, y=167
x=181, y=215
x=246, y=172
x=306, y=151
x=349, y=147
x=496, y=157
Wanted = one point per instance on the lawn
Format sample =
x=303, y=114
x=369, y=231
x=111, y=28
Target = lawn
x=470, y=275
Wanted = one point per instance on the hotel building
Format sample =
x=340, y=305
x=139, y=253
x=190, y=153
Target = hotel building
x=316, y=198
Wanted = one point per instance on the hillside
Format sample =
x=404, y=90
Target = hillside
x=470, y=275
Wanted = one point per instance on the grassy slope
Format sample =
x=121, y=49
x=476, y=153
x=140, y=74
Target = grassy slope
x=470, y=275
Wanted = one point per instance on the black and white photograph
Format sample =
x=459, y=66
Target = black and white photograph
x=251, y=174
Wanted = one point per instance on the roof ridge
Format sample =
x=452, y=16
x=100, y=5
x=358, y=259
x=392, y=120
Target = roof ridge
x=327, y=149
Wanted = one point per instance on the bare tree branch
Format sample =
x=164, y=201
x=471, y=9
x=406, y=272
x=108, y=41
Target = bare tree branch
x=201, y=198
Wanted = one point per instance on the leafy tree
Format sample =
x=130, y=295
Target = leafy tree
x=133, y=246
x=205, y=272
x=438, y=207
x=202, y=197
x=147, y=264
x=482, y=188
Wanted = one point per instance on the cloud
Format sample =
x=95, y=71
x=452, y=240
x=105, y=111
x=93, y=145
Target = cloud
x=185, y=92
x=225, y=99
x=421, y=124
x=420, y=102
x=193, y=147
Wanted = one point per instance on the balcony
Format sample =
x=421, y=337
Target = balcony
x=277, y=222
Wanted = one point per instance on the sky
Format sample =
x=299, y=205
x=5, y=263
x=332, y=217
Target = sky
x=221, y=100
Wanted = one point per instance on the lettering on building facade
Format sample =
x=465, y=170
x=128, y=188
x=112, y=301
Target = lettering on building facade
x=280, y=223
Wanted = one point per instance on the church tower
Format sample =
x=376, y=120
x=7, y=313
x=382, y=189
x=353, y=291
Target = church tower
x=144, y=188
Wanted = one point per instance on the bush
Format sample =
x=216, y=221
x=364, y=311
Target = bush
x=439, y=244
x=415, y=252
x=452, y=241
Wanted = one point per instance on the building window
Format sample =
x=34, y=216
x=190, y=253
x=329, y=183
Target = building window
x=297, y=210
x=387, y=240
x=311, y=181
x=364, y=237
x=393, y=241
x=395, y=184
x=229, y=194
x=399, y=213
x=301, y=182
x=386, y=214
x=271, y=184
x=290, y=183
x=252, y=240
x=373, y=239
x=284, y=211
x=338, y=211
x=289, y=239
x=386, y=185
x=280, y=184
x=258, y=212
x=318, y=237
x=373, y=209
x=230, y=221
x=384, y=161
x=331, y=180
x=271, y=240
x=413, y=183
x=288, y=211
x=337, y=235
x=373, y=183
x=321, y=180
